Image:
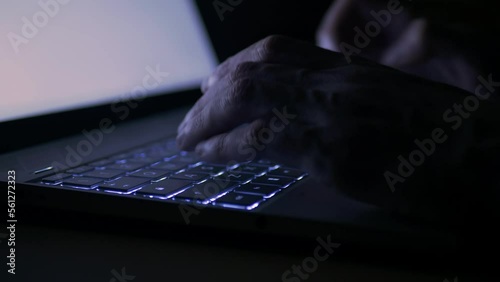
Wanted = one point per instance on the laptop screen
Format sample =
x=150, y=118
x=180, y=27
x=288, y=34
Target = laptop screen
x=58, y=55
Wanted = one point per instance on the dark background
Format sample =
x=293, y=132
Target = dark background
x=253, y=20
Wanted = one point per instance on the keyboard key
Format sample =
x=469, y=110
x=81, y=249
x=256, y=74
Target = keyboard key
x=120, y=157
x=249, y=168
x=192, y=176
x=56, y=178
x=126, y=166
x=186, y=159
x=266, y=163
x=80, y=169
x=150, y=173
x=144, y=160
x=288, y=172
x=84, y=182
x=170, y=144
x=104, y=173
x=164, y=188
x=274, y=180
x=160, y=151
x=101, y=163
x=258, y=189
x=193, y=194
x=206, y=190
x=170, y=166
x=160, y=155
x=216, y=186
x=139, y=151
x=124, y=184
x=235, y=176
x=208, y=168
x=237, y=200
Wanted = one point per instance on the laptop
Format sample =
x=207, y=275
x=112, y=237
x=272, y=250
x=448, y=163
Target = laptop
x=92, y=97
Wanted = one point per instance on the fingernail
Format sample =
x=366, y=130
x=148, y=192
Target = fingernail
x=200, y=149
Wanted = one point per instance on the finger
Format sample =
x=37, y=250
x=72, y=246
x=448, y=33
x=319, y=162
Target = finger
x=255, y=71
x=411, y=47
x=202, y=102
x=276, y=50
x=242, y=102
x=340, y=12
x=346, y=20
x=230, y=146
x=244, y=144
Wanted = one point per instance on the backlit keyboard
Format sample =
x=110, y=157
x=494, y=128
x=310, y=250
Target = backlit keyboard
x=160, y=171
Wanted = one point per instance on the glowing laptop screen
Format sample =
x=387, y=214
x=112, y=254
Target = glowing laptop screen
x=58, y=55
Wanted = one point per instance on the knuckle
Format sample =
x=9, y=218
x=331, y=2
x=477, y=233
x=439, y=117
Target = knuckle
x=220, y=145
x=270, y=45
x=255, y=129
x=245, y=69
x=197, y=122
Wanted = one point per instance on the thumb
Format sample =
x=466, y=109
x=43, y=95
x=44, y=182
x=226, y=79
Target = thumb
x=341, y=13
x=411, y=47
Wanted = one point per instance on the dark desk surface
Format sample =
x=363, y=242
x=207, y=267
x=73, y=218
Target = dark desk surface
x=52, y=254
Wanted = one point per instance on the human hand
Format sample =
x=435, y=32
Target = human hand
x=387, y=32
x=344, y=123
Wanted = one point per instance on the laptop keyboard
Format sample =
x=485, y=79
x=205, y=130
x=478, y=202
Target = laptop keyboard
x=161, y=172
